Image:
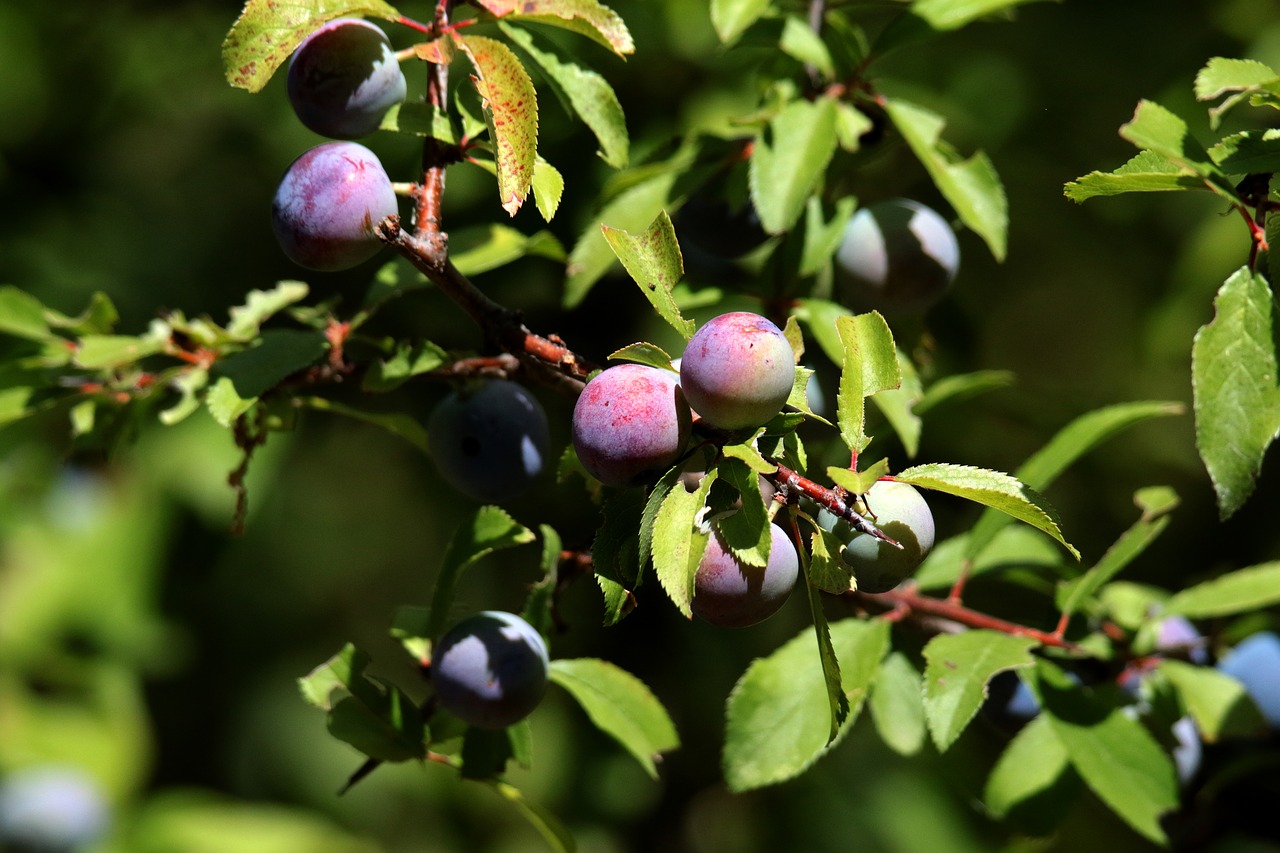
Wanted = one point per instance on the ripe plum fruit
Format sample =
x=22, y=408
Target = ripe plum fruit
x=343, y=78
x=327, y=205
x=630, y=422
x=731, y=594
x=737, y=370
x=489, y=442
x=490, y=669
x=896, y=256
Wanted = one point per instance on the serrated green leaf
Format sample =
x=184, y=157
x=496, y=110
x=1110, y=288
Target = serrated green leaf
x=1122, y=552
x=672, y=479
x=1033, y=776
x=954, y=14
x=279, y=354
x=477, y=250
x=1235, y=592
x=820, y=315
x=224, y=404
x=898, y=405
x=1219, y=704
x=267, y=31
x=511, y=112
x=585, y=94
x=731, y=18
x=631, y=211
x=1241, y=79
x=585, y=17
x=801, y=43
x=747, y=533
x=621, y=706
x=615, y=551
x=318, y=686
x=858, y=482
x=822, y=237
x=539, y=605
x=1011, y=546
x=799, y=397
x=1146, y=172
x=990, y=488
x=1158, y=129
x=744, y=452
x=971, y=186
x=896, y=705
x=409, y=360
x=1069, y=444
x=188, y=384
x=777, y=718
x=260, y=305
x=837, y=701
x=643, y=353
x=420, y=119
x=677, y=543
x=1233, y=378
x=961, y=386
x=485, y=531
x=1248, y=152
x=104, y=352
x=653, y=261
x=827, y=571
x=548, y=187
x=788, y=161
x=1114, y=754
x=868, y=365
x=957, y=670
x=380, y=722
x=22, y=315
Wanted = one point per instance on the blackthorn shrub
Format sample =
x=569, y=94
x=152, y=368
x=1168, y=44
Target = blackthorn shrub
x=731, y=594
x=737, y=370
x=630, y=422
x=344, y=78
x=896, y=256
x=490, y=442
x=328, y=204
x=490, y=669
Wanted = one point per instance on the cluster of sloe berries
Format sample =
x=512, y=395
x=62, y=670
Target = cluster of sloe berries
x=341, y=82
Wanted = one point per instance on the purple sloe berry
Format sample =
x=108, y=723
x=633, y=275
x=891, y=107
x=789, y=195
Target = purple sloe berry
x=489, y=442
x=903, y=515
x=731, y=594
x=896, y=255
x=630, y=422
x=328, y=204
x=343, y=78
x=490, y=669
x=737, y=370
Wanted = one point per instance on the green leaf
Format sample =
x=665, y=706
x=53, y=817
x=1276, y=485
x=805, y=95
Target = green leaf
x=260, y=305
x=1114, y=754
x=990, y=488
x=827, y=571
x=643, y=353
x=820, y=315
x=420, y=119
x=1241, y=79
x=548, y=187
x=1218, y=703
x=1034, y=777
x=672, y=479
x=22, y=315
x=621, y=706
x=401, y=424
x=586, y=94
x=1069, y=444
x=1233, y=378
x=837, y=701
x=869, y=364
x=1125, y=550
x=188, y=384
x=1015, y=546
x=279, y=354
x=788, y=160
x=104, y=352
x=538, y=607
x=559, y=839
x=511, y=111
x=822, y=237
x=961, y=386
x=632, y=210
x=267, y=31
x=487, y=530
x=382, y=723
x=477, y=250
x=224, y=404
x=957, y=670
x=1248, y=152
x=615, y=552
x=585, y=17
x=653, y=261
x=409, y=360
x=1157, y=129
x=896, y=705
x=731, y=18
x=777, y=717
x=747, y=532
x=1146, y=172
x=800, y=42
x=898, y=405
x=971, y=186
x=858, y=482
x=1236, y=592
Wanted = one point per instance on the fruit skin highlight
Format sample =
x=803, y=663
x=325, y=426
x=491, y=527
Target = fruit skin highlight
x=489, y=442
x=630, y=422
x=343, y=78
x=730, y=594
x=327, y=205
x=737, y=370
x=490, y=669
x=896, y=256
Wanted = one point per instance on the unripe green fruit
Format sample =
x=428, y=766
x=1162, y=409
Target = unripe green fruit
x=902, y=514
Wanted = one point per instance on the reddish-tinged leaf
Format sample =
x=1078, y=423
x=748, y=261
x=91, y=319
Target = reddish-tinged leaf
x=585, y=17
x=511, y=110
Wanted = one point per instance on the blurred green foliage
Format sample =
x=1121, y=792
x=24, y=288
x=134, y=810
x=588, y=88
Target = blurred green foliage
x=142, y=641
